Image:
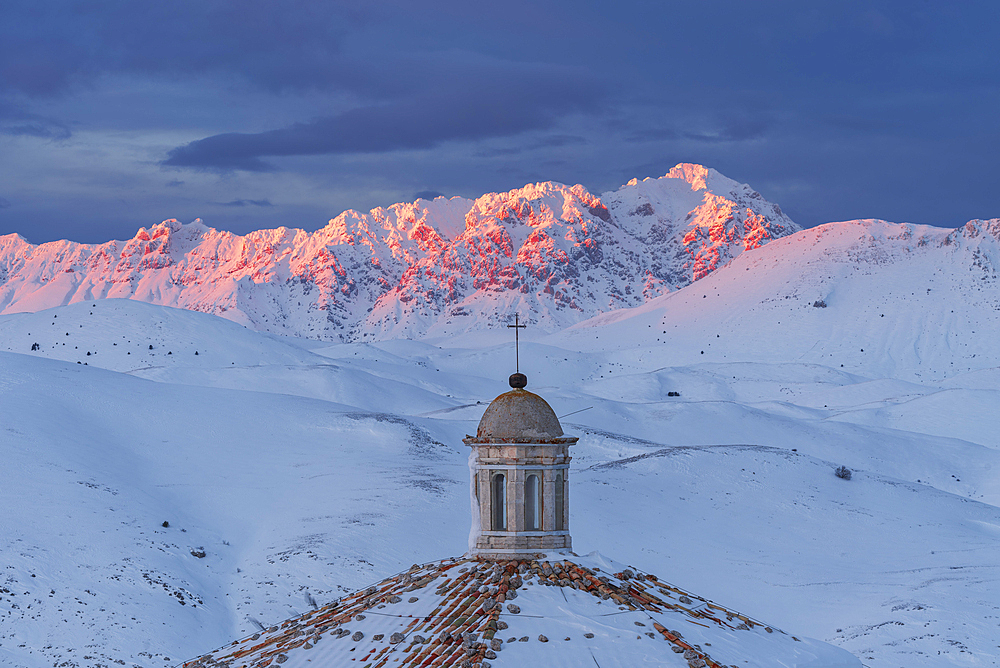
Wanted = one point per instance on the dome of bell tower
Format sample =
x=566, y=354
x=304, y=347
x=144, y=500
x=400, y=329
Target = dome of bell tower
x=518, y=416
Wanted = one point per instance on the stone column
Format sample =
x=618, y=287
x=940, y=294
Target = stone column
x=565, y=473
x=485, y=499
x=549, y=500
x=515, y=501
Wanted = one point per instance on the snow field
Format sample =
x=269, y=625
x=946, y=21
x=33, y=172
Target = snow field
x=301, y=467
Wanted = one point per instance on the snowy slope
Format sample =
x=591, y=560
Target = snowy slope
x=126, y=335
x=274, y=489
x=905, y=301
x=186, y=347
x=322, y=469
x=557, y=253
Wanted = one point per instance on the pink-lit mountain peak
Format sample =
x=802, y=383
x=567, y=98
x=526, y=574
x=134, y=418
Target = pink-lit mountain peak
x=700, y=177
x=558, y=254
x=423, y=224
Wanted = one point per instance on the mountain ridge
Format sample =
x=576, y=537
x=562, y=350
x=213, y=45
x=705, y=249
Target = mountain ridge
x=558, y=254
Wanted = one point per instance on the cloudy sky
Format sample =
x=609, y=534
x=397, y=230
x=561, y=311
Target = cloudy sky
x=259, y=113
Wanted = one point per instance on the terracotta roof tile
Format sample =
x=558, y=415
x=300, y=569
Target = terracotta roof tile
x=451, y=605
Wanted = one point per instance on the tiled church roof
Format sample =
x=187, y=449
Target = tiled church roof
x=468, y=612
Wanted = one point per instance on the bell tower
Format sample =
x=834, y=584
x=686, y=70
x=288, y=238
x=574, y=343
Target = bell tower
x=519, y=468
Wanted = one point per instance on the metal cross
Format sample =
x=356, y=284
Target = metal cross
x=516, y=326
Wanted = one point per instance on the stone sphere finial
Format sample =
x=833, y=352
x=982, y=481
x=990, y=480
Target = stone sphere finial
x=518, y=381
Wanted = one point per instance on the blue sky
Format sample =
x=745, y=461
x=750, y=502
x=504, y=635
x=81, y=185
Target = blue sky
x=252, y=114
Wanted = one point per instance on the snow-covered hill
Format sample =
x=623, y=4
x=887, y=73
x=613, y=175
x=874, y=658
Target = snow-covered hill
x=881, y=299
x=179, y=346
x=301, y=467
x=555, y=253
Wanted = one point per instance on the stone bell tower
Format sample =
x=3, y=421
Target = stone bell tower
x=520, y=478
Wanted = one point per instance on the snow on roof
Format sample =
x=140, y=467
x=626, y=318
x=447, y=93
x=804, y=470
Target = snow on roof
x=574, y=612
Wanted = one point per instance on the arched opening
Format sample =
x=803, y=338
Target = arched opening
x=498, y=502
x=560, y=504
x=532, y=503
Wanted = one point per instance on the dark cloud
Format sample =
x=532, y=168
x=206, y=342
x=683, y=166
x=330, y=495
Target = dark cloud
x=45, y=49
x=834, y=110
x=16, y=121
x=859, y=123
x=733, y=131
x=708, y=127
x=498, y=152
x=553, y=141
x=472, y=99
x=4, y=204
x=651, y=134
x=176, y=183
x=550, y=141
x=427, y=194
x=248, y=202
x=35, y=129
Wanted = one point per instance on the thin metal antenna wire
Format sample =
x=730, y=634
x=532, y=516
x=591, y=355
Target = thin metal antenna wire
x=575, y=412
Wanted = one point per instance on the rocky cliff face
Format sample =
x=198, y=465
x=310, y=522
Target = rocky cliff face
x=556, y=254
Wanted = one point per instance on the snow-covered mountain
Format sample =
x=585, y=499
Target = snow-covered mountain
x=557, y=254
x=906, y=301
